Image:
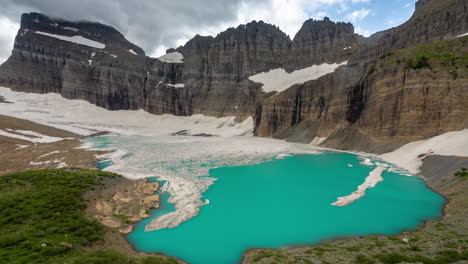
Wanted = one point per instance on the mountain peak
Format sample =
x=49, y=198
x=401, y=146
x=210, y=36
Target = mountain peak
x=36, y=22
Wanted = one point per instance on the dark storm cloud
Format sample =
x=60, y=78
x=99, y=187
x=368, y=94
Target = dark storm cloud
x=149, y=24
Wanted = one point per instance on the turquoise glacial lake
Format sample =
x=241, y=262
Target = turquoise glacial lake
x=284, y=202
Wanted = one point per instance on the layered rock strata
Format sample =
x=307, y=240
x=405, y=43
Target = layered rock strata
x=378, y=102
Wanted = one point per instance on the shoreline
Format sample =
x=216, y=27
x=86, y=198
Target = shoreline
x=173, y=219
x=421, y=227
x=381, y=158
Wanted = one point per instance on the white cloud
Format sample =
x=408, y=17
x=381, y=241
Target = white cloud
x=358, y=14
x=363, y=32
x=319, y=15
x=8, y=31
x=289, y=15
x=170, y=23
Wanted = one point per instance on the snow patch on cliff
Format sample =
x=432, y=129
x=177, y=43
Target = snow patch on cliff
x=462, y=35
x=278, y=80
x=71, y=28
x=374, y=177
x=75, y=39
x=177, y=85
x=173, y=57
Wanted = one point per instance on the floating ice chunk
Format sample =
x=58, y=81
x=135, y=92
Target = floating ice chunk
x=283, y=155
x=75, y=39
x=366, y=161
x=173, y=57
x=374, y=177
x=278, y=80
x=350, y=165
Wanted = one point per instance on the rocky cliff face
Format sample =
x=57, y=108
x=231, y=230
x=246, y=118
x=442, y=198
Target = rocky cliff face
x=386, y=96
x=393, y=91
x=322, y=42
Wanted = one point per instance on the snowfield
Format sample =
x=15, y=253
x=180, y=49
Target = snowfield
x=27, y=135
x=75, y=39
x=278, y=80
x=410, y=155
x=84, y=118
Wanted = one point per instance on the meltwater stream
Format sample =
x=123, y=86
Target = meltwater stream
x=259, y=201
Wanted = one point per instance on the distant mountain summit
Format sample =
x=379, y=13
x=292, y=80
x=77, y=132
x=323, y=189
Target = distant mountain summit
x=388, y=90
x=113, y=39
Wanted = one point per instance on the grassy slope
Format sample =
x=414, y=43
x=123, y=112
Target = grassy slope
x=450, y=55
x=42, y=220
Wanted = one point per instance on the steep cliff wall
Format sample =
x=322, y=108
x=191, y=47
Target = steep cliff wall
x=393, y=90
x=396, y=89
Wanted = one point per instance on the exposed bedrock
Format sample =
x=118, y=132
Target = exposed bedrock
x=384, y=97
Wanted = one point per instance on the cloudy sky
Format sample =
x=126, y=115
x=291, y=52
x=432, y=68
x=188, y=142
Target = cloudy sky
x=160, y=24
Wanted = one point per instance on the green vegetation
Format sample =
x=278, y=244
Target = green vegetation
x=443, y=257
x=124, y=218
x=269, y=254
x=419, y=62
x=451, y=55
x=463, y=174
x=42, y=220
x=361, y=259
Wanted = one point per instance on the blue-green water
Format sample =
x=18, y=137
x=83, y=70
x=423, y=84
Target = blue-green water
x=287, y=202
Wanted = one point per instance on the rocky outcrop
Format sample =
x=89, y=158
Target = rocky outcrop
x=118, y=203
x=377, y=102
